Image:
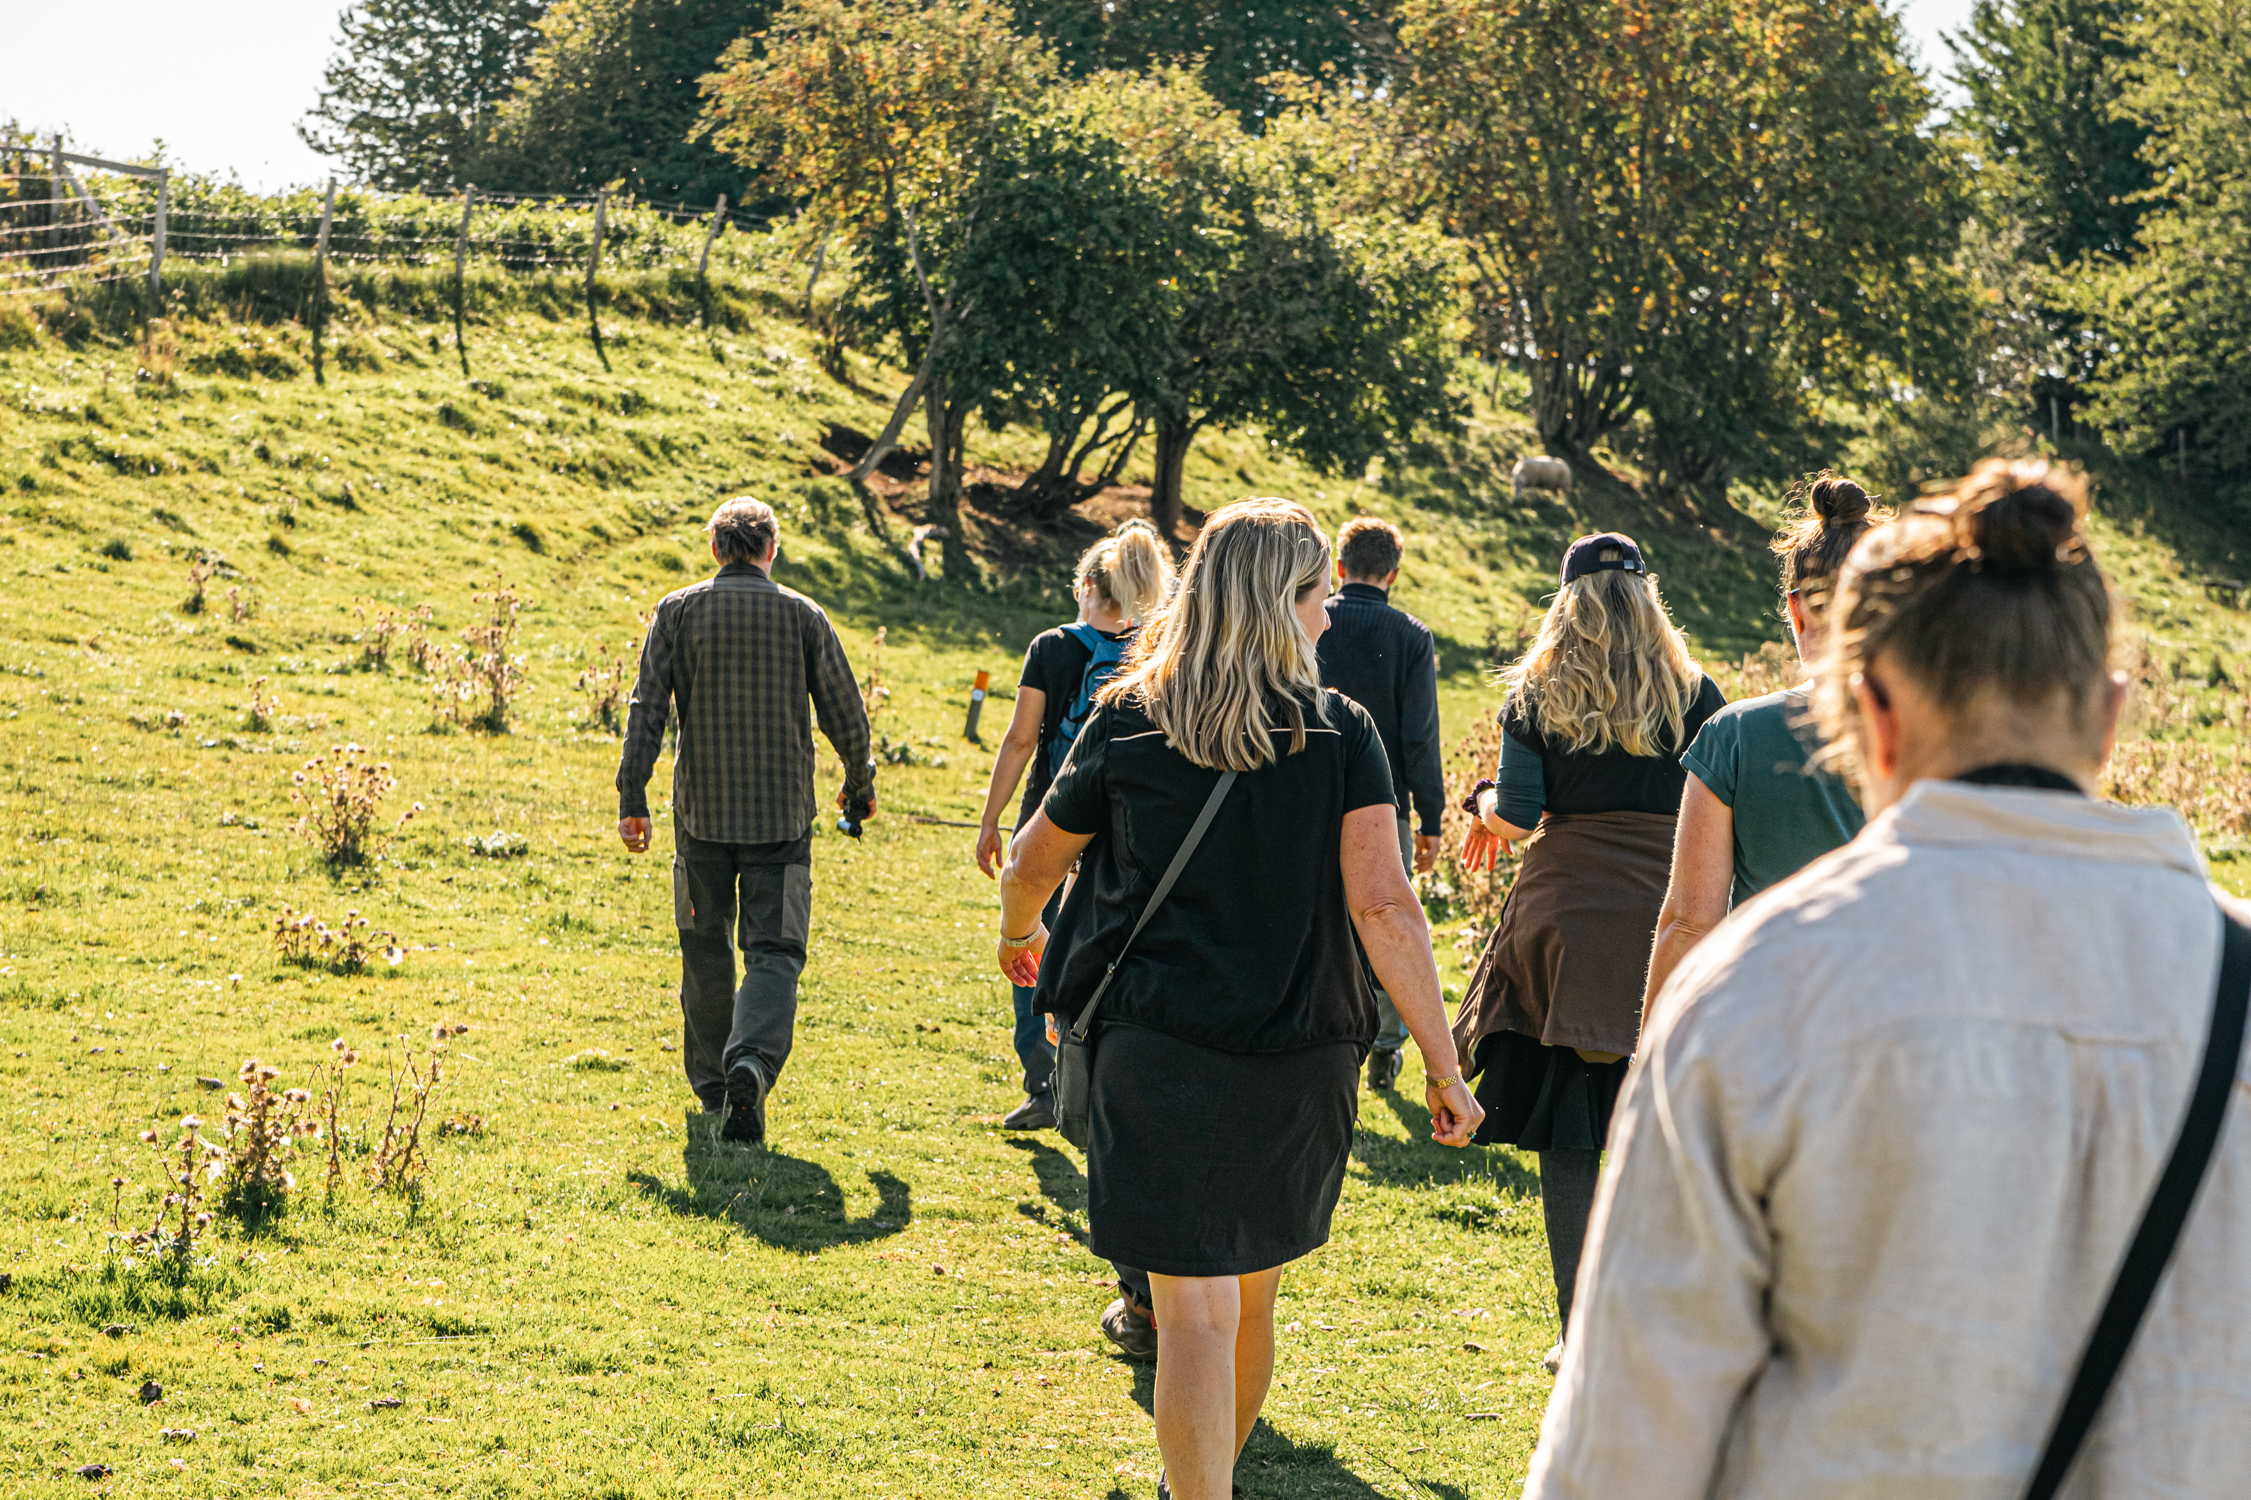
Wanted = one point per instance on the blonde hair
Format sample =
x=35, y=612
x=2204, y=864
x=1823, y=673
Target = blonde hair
x=1608, y=668
x=1226, y=663
x=1130, y=569
x=1991, y=588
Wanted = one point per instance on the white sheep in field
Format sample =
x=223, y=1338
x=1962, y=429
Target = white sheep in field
x=1534, y=472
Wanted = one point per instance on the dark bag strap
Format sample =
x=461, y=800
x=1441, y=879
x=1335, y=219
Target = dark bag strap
x=2162, y=1221
x=1156, y=899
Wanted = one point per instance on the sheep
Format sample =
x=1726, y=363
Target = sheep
x=1536, y=473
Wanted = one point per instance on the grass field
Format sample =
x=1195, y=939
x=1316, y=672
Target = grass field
x=587, y=1296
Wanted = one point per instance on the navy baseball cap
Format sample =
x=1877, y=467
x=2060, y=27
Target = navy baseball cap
x=1605, y=551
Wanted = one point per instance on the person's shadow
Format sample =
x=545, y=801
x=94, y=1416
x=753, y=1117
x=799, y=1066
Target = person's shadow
x=1273, y=1467
x=788, y=1203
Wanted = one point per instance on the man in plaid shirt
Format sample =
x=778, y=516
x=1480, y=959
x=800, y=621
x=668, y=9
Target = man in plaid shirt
x=738, y=656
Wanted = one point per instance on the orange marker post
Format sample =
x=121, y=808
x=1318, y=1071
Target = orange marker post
x=976, y=707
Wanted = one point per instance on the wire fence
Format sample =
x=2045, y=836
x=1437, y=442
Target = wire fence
x=113, y=227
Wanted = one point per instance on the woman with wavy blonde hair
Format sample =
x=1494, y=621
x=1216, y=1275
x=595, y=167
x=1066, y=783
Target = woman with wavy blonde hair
x=1234, y=1010
x=1597, y=715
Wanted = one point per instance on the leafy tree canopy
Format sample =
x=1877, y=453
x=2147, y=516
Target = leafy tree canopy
x=2176, y=319
x=1233, y=47
x=2043, y=79
x=412, y=91
x=612, y=95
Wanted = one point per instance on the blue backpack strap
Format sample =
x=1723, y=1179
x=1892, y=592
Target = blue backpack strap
x=1103, y=656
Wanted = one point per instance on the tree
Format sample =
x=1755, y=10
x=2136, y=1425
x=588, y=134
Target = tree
x=412, y=91
x=1327, y=330
x=883, y=118
x=1234, y=49
x=2044, y=78
x=612, y=96
x=2176, y=318
x=1688, y=210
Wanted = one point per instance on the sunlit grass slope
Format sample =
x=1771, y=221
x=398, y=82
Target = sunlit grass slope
x=589, y=1297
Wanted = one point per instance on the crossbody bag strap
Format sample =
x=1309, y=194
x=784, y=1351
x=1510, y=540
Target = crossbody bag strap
x=2162, y=1221
x=1156, y=899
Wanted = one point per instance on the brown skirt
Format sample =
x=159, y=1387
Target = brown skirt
x=1567, y=963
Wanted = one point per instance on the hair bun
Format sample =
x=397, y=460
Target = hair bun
x=2029, y=530
x=1839, y=503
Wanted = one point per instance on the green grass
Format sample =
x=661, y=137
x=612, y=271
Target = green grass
x=591, y=1297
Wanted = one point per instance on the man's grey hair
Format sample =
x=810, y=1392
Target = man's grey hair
x=742, y=529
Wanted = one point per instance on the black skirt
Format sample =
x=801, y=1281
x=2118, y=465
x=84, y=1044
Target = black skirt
x=1208, y=1163
x=1542, y=1098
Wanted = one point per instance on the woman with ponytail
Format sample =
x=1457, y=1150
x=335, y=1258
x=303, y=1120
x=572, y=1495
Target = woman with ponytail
x=1895, y=1122
x=1119, y=583
x=1757, y=807
x=1597, y=715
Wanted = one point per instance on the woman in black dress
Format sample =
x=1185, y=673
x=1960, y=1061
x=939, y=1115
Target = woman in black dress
x=1598, y=713
x=1225, y=1066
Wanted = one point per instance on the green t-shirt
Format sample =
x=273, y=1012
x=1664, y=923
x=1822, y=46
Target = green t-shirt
x=1754, y=756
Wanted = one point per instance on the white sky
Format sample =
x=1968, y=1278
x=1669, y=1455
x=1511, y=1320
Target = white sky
x=224, y=85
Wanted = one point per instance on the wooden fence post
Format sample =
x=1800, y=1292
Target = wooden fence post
x=593, y=264
x=320, y=281
x=55, y=206
x=156, y=235
x=460, y=263
x=703, y=261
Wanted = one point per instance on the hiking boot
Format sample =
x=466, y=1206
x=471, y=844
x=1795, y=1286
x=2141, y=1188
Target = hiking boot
x=1037, y=1112
x=1131, y=1329
x=746, y=1105
x=1383, y=1069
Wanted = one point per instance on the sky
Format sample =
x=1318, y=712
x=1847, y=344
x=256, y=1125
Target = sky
x=223, y=85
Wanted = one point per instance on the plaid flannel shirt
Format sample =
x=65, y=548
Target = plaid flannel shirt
x=739, y=655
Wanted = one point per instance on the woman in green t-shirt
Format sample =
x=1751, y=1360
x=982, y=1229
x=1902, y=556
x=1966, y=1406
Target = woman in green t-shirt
x=1757, y=809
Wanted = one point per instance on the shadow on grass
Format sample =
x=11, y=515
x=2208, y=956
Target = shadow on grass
x=781, y=1200
x=1061, y=1184
x=1276, y=1468
x=1420, y=1161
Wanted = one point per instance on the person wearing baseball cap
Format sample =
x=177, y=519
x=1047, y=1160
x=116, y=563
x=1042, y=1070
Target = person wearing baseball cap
x=1588, y=786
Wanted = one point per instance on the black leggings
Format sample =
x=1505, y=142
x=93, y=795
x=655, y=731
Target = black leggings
x=1567, y=1179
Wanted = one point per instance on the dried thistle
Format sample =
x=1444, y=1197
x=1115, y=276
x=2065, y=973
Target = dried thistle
x=240, y=606
x=606, y=682
x=341, y=793
x=476, y=684
x=263, y=1128
x=259, y=713
x=400, y=1164
x=199, y=577
x=348, y=948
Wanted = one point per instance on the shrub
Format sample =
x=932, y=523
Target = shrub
x=341, y=794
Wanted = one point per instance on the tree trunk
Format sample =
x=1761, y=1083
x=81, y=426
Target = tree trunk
x=1164, y=488
x=946, y=419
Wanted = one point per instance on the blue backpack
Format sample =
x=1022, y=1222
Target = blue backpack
x=1103, y=657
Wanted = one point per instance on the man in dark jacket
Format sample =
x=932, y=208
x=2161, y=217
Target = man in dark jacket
x=1382, y=659
x=738, y=657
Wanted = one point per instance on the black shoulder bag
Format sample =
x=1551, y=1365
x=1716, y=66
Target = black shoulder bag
x=1072, y=1071
x=2162, y=1221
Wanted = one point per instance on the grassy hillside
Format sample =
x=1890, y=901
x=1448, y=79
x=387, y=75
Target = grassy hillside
x=587, y=1296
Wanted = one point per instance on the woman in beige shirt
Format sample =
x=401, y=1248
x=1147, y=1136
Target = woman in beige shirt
x=1894, y=1121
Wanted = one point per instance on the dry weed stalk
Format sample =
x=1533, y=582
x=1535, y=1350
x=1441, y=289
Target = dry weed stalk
x=401, y=1165
x=263, y=1129
x=199, y=1161
x=199, y=576
x=606, y=683
x=264, y=707
x=341, y=794
x=240, y=606
x=875, y=693
x=307, y=941
x=330, y=1110
x=478, y=682
x=2211, y=791
x=376, y=634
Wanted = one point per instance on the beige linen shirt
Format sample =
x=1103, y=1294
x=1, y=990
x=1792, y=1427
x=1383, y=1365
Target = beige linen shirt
x=1890, y=1129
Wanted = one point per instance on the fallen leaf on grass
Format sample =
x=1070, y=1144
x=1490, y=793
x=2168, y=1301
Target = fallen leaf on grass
x=385, y=1403
x=1474, y=1348
x=178, y=1434
x=93, y=1471
x=301, y=1406
x=151, y=1393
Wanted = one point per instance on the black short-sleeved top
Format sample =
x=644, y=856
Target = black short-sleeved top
x=1581, y=781
x=1055, y=663
x=1254, y=950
